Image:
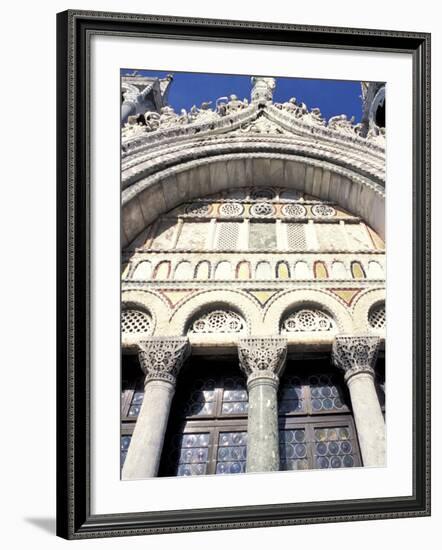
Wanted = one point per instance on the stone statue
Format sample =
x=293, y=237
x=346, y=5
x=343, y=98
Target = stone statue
x=341, y=123
x=262, y=90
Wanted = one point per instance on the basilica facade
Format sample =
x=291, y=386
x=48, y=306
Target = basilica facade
x=253, y=285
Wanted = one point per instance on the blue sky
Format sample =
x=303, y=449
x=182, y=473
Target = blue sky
x=333, y=97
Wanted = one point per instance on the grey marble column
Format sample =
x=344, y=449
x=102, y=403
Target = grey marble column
x=161, y=360
x=262, y=359
x=356, y=357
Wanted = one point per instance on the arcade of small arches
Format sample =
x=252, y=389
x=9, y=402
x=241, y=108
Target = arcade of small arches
x=253, y=293
x=241, y=277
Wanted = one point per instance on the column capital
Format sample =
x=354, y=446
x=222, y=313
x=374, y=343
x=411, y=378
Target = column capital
x=355, y=354
x=161, y=358
x=262, y=357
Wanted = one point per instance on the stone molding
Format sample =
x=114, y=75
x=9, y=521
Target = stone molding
x=262, y=357
x=161, y=358
x=355, y=354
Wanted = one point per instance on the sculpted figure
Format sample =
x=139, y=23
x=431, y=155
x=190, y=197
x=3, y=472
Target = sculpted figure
x=314, y=117
x=341, y=123
x=168, y=117
x=152, y=119
x=376, y=135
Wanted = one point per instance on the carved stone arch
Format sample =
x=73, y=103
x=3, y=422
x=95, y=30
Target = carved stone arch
x=149, y=303
x=143, y=271
x=291, y=300
x=183, y=271
x=145, y=199
x=362, y=306
x=235, y=300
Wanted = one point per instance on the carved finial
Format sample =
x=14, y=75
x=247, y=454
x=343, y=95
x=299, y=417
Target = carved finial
x=162, y=358
x=355, y=354
x=262, y=90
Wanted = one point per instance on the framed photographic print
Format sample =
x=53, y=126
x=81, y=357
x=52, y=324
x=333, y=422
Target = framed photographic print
x=243, y=274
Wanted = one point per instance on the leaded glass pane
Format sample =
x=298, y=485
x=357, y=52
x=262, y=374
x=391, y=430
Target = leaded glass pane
x=201, y=401
x=326, y=394
x=124, y=446
x=235, y=398
x=293, y=449
x=232, y=453
x=136, y=402
x=334, y=447
x=290, y=396
x=193, y=451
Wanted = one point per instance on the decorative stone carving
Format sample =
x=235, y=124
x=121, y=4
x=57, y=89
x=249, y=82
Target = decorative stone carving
x=323, y=211
x=262, y=210
x=376, y=317
x=231, y=209
x=355, y=354
x=341, y=123
x=308, y=320
x=293, y=211
x=218, y=322
x=261, y=126
x=161, y=358
x=134, y=321
x=197, y=209
x=262, y=90
x=262, y=357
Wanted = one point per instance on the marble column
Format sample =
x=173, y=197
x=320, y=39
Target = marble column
x=262, y=359
x=356, y=357
x=161, y=360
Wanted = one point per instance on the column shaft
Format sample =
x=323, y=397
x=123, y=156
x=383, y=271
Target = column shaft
x=368, y=418
x=161, y=360
x=144, y=454
x=262, y=427
x=262, y=359
x=356, y=357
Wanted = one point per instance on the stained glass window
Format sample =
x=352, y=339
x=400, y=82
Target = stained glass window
x=334, y=447
x=293, y=449
x=193, y=453
x=232, y=453
x=124, y=446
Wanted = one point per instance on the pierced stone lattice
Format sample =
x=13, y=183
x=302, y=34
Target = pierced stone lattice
x=262, y=210
x=296, y=236
x=227, y=236
x=323, y=211
x=197, y=209
x=231, y=209
x=376, y=316
x=218, y=322
x=308, y=320
x=293, y=211
x=134, y=321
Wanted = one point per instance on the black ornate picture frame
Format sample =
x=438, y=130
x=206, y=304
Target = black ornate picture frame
x=74, y=32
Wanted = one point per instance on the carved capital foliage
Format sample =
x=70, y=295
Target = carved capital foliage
x=355, y=354
x=162, y=358
x=262, y=357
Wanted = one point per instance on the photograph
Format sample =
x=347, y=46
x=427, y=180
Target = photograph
x=253, y=274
